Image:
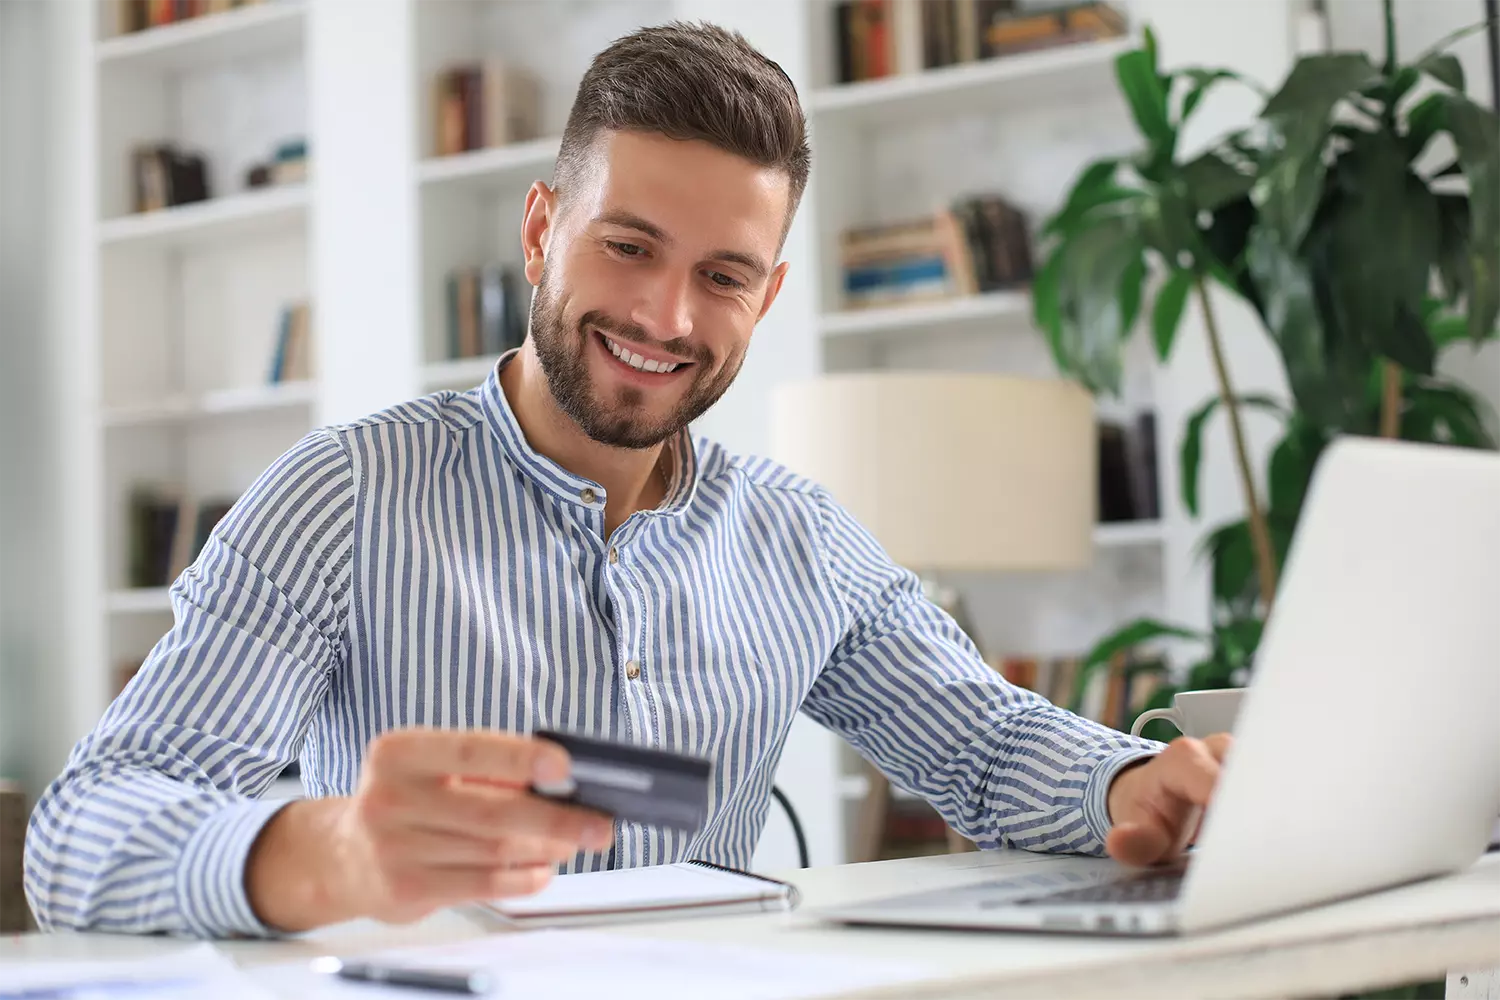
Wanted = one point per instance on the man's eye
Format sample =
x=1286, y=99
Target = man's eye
x=625, y=249
x=723, y=280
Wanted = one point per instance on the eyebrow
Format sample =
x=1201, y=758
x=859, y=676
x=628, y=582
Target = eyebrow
x=630, y=220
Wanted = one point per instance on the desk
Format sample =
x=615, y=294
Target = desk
x=1406, y=934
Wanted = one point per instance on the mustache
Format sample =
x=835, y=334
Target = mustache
x=623, y=331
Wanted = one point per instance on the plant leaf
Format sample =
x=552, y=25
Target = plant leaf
x=1300, y=113
x=1203, y=80
x=1292, y=317
x=1443, y=67
x=1318, y=82
x=1211, y=182
x=1387, y=220
x=1453, y=246
x=1476, y=134
x=1130, y=295
x=1292, y=463
x=1091, y=327
x=1423, y=122
x=1146, y=96
x=1449, y=414
x=1125, y=638
x=1190, y=455
x=1167, y=314
x=1225, y=240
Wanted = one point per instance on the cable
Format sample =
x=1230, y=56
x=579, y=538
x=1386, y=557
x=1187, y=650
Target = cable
x=791, y=814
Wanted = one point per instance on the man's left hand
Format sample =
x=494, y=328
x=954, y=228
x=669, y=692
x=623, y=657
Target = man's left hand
x=1156, y=807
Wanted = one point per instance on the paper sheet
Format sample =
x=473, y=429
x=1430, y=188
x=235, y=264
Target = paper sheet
x=186, y=974
x=592, y=965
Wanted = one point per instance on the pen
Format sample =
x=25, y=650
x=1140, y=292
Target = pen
x=436, y=980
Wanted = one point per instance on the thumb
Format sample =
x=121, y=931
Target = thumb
x=1138, y=842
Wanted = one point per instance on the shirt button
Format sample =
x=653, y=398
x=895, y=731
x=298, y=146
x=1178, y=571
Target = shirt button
x=587, y=495
x=614, y=556
x=632, y=670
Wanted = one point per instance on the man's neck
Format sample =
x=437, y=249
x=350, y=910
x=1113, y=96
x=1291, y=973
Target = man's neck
x=629, y=476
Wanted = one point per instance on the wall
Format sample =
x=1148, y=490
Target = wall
x=24, y=443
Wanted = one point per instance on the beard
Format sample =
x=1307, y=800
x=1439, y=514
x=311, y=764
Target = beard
x=622, y=420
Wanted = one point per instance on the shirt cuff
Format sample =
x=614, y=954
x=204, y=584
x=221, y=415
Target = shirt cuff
x=1096, y=792
x=211, y=892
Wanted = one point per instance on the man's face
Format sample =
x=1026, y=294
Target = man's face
x=650, y=281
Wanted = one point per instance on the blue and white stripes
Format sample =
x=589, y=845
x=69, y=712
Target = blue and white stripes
x=425, y=567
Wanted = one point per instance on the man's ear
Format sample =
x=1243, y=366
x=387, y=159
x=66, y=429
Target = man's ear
x=773, y=288
x=536, y=228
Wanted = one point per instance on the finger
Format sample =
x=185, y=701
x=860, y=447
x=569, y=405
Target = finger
x=1188, y=770
x=440, y=849
x=430, y=888
x=501, y=757
x=488, y=813
x=1218, y=745
x=1137, y=843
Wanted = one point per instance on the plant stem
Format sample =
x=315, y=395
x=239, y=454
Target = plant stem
x=1390, y=400
x=1260, y=531
x=1390, y=37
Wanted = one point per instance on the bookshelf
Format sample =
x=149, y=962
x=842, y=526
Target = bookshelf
x=1081, y=70
x=180, y=306
x=206, y=41
x=188, y=298
x=225, y=220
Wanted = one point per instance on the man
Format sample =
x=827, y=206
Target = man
x=398, y=601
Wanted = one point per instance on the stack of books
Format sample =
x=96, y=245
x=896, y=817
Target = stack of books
x=164, y=176
x=485, y=314
x=979, y=244
x=1128, y=474
x=166, y=532
x=879, y=38
x=138, y=15
x=485, y=104
x=291, y=356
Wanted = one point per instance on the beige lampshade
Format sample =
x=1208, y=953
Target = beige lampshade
x=951, y=471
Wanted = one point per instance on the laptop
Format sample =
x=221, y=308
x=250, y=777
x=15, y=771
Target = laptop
x=1367, y=746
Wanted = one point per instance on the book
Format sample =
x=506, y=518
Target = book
x=659, y=892
x=484, y=104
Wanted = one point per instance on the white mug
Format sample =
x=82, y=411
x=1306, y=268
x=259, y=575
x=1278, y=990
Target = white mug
x=1197, y=713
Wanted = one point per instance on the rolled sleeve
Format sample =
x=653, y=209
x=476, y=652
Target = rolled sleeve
x=1096, y=791
x=211, y=893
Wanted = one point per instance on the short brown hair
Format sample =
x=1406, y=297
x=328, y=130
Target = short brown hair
x=690, y=81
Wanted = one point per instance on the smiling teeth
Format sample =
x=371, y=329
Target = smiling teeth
x=637, y=362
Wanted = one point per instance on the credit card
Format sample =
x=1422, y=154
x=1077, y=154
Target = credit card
x=632, y=783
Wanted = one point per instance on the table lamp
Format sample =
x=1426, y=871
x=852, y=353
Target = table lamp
x=951, y=472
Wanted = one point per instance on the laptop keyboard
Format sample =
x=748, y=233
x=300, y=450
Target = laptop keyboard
x=1147, y=887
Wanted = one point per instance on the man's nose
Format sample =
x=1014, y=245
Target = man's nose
x=663, y=306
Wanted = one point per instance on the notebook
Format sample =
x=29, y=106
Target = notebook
x=659, y=892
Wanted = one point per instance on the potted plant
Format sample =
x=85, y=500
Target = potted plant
x=1362, y=258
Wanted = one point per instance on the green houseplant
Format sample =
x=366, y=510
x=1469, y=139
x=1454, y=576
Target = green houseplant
x=1362, y=258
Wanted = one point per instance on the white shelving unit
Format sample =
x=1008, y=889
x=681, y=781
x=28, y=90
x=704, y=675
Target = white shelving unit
x=204, y=42
x=223, y=220
x=1050, y=75
x=188, y=298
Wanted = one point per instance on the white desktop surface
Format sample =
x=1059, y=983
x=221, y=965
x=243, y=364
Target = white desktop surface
x=1413, y=932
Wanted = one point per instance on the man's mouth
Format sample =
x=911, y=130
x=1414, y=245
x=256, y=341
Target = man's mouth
x=640, y=363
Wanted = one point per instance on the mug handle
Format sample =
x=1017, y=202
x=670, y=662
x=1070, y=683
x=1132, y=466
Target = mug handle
x=1170, y=714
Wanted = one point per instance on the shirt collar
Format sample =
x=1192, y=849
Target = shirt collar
x=567, y=486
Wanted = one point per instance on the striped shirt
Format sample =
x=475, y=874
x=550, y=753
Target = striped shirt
x=425, y=566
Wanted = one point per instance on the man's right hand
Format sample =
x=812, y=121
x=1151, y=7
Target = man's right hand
x=440, y=817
